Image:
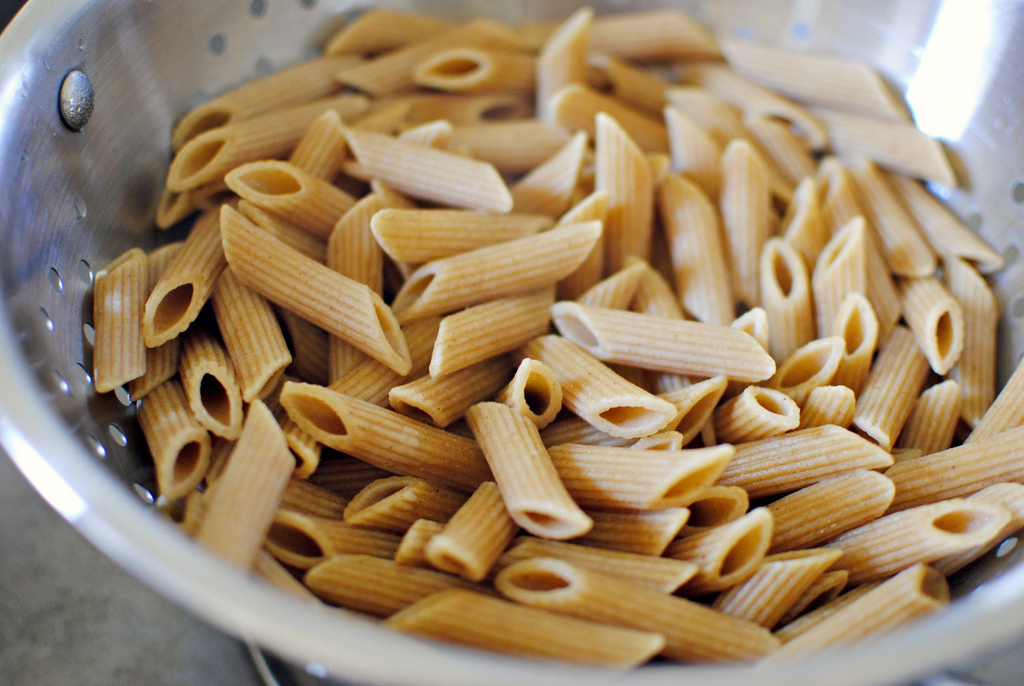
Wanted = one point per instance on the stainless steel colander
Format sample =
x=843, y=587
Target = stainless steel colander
x=71, y=201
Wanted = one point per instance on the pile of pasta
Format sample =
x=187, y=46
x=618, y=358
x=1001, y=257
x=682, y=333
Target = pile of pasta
x=474, y=364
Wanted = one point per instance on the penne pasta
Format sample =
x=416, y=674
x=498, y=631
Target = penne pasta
x=307, y=498
x=475, y=537
x=785, y=288
x=322, y=147
x=304, y=242
x=442, y=400
x=663, y=35
x=560, y=586
x=643, y=533
x=891, y=388
x=594, y=207
x=597, y=394
x=622, y=171
x=180, y=446
x=245, y=497
x=209, y=381
x=841, y=269
x=695, y=404
x=382, y=29
x=783, y=149
x=119, y=299
x=613, y=478
x=975, y=371
x=936, y=319
x=634, y=86
x=822, y=511
x=695, y=152
x=725, y=555
x=932, y=421
x=513, y=146
x=812, y=366
x=497, y=271
x=394, y=503
x=618, y=290
x=412, y=551
x=161, y=361
x=340, y=306
x=563, y=58
x=575, y=106
x=384, y=438
x=493, y=328
x=828, y=405
x=745, y=203
x=1007, y=495
x=754, y=414
x=792, y=461
x=514, y=629
x=303, y=541
x=475, y=70
x=855, y=322
x=803, y=227
x=533, y=393
x=663, y=343
x=824, y=590
x=548, y=187
x=530, y=486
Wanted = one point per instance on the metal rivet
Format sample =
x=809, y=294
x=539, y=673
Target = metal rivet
x=76, y=100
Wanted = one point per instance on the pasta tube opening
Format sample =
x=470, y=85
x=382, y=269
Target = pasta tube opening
x=188, y=460
x=964, y=521
x=215, y=399
x=196, y=156
x=718, y=507
x=539, y=575
x=319, y=413
x=172, y=307
x=945, y=335
x=628, y=416
x=214, y=118
x=294, y=541
x=268, y=180
x=537, y=395
x=745, y=552
x=771, y=402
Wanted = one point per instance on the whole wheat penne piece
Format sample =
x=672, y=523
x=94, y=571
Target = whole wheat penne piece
x=803, y=227
x=353, y=251
x=515, y=629
x=754, y=323
x=839, y=203
x=444, y=399
x=788, y=152
x=959, y=471
x=373, y=585
x=306, y=243
x=936, y=319
x=379, y=30
x=575, y=106
x=292, y=86
x=695, y=152
x=119, y=299
x=655, y=296
x=822, y=511
x=786, y=298
x=785, y=463
x=464, y=109
x=625, y=478
x=755, y=100
x=209, y=380
x=340, y=306
x=513, y=146
x=725, y=555
x=824, y=590
x=548, y=187
x=917, y=591
x=434, y=134
x=533, y=393
x=574, y=429
x=828, y=405
x=597, y=394
x=643, y=533
x=715, y=506
x=815, y=78
x=346, y=476
x=932, y=421
x=841, y=269
x=306, y=449
x=975, y=371
x=179, y=444
x=161, y=361
x=475, y=536
x=755, y=413
x=1007, y=495
x=487, y=330
x=721, y=119
x=695, y=404
x=790, y=630
x=664, y=440
x=906, y=251
x=631, y=84
x=322, y=147
x=663, y=343
x=921, y=534
x=617, y=290
x=309, y=344
x=429, y=174
x=174, y=206
x=746, y=215
x=252, y=336
x=593, y=207
x=301, y=199
x=659, y=573
x=206, y=158
x=663, y=35
x=945, y=233
x=622, y=170
x=384, y=438
x=391, y=72
x=529, y=484
x=891, y=388
x=477, y=70
x=811, y=366
x=497, y=271
x=856, y=323
x=563, y=58
x=412, y=551
x=563, y=587
x=185, y=285
x=246, y=496
x=1005, y=412
x=307, y=498
x=896, y=145
x=701, y=270
x=779, y=582
x=303, y=541
x=395, y=502
x=416, y=236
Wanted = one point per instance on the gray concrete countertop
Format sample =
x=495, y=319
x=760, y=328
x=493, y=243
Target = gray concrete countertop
x=69, y=616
